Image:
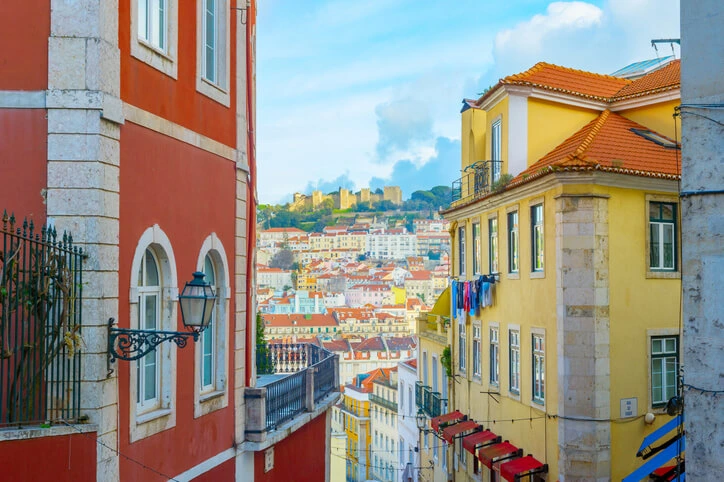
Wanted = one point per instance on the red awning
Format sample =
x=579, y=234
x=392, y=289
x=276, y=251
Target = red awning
x=452, y=430
x=447, y=418
x=478, y=438
x=521, y=466
x=487, y=455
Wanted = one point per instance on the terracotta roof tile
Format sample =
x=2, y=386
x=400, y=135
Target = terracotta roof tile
x=571, y=81
x=607, y=143
x=301, y=320
x=661, y=80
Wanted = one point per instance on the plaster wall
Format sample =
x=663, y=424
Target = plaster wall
x=702, y=82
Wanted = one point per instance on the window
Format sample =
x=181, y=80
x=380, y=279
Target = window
x=212, y=78
x=462, y=347
x=477, y=365
x=496, y=149
x=152, y=306
x=662, y=236
x=410, y=398
x=208, y=364
x=210, y=392
x=154, y=34
x=461, y=252
x=539, y=367
x=493, y=244
x=152, y=21
x=664, y=369
x=513, y=242
x=477, y=263
x=149, y=314
x=514, y=361
x=494, y=356
x=536, y=234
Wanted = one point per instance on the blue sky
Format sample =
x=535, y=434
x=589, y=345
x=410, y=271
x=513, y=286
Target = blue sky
x=358, y=93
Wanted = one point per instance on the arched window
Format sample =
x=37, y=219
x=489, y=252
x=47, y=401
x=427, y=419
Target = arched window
x=153, y=306
x=211, y=391
x=208, y=364
x=149, y=317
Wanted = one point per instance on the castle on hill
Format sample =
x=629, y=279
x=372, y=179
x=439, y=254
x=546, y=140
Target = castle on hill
x=345, y=199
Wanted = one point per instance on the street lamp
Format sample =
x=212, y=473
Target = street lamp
x=197, y=302
x=421, y=421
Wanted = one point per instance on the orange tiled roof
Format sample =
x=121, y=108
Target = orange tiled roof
x=606, y=88
x=300, y=319
x=661, y=80
x=567, y=80
x=607, y=143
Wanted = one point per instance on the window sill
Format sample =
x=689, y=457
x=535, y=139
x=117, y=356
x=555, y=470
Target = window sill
x=514, y=395
x=537, y=275
x=208, y=396
x=478, y=379
x=513, y=276
x=153, y=415
x=213, y=91
x=160, y=60
x=663, y=274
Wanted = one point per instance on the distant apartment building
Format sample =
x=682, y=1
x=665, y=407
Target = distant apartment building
x=276, y=278
x=384, y=457
x=368, y=322
x=277, y=235
x=359, y=355
x=290, y=326
x=300, y=302
x=391, y=245
x=373, y=294
x=409, y=435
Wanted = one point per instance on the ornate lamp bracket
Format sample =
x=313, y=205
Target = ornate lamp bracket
x=129, y=344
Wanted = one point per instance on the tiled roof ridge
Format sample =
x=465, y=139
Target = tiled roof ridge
x=676, y=82
x=595, y=129
x=540, y=65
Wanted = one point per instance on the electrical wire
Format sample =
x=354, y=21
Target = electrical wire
x=119, y=453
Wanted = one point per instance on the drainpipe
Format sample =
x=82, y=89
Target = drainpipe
x=251, y=196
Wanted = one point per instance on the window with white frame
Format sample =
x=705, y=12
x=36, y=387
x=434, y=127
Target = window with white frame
x=208, y=341
x=536, y=234
x=213, y=78
x=462, y=347
x=494, y=356
x=153, y=23
x=153, y=306
x=539, y=368
x=212, y=348
x=477, y=363
x=149, y=315
x=664, y=369
x=461, y=252
x=477, y=261
x=514, y=361
x=493, y=245
x=154, y=34
x=662, y=236
x=513, y=244
x=496, y=149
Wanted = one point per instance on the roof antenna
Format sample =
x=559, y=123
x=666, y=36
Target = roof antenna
x=670, y=41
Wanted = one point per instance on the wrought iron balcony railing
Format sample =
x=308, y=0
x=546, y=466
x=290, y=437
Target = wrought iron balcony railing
x=293, y=379
x=418, y=394
x=41, y=303
x=476, y=181
x=383, y=402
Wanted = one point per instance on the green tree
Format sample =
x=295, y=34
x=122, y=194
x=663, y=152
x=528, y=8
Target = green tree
x=263, y=359
x=283, y=259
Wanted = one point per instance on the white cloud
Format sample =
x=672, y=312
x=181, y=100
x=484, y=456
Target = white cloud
x=529, y=36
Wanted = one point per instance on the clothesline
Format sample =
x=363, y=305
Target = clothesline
x=470, y=296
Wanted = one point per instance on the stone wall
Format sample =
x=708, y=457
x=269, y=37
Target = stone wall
x=84, y=117
x=583, y=337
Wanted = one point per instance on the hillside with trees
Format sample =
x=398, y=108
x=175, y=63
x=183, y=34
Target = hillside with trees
x=422, y=204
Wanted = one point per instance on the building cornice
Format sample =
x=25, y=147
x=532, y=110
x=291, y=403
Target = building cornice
x=645, y=100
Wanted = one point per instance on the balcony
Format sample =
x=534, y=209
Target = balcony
x=477, y=181
x=383, y=403
x=297, y=381
x=431, y=403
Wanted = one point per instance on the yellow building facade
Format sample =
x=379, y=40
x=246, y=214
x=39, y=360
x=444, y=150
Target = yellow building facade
x=581, y=338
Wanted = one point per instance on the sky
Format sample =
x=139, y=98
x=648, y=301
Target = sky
x=366, y=93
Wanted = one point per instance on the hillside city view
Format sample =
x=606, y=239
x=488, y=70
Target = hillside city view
x=380, y=241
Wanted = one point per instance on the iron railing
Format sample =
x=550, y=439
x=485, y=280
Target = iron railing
x=288, y=396
x=41, y=287
x=383, y=402
x=418, y=394
x=477, y=180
